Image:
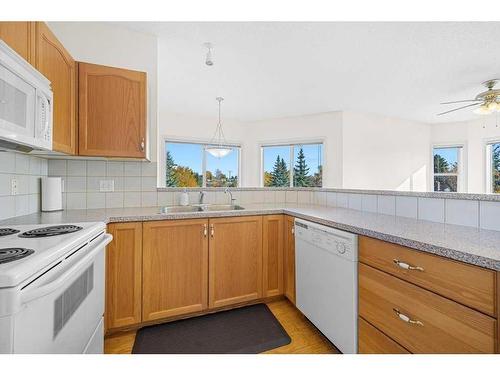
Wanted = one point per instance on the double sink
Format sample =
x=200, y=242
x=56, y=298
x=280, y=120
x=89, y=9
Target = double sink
x=200, y=208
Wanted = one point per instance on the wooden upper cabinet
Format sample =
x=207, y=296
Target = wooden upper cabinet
x=20, y=36
x=112, y=111
x=123, y=275
x=289, y=258
x=175, y=268
x=55, y=63
x=273, y=233
x=235, y=260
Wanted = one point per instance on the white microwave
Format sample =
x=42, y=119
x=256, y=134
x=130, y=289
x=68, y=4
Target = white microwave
x=26, y=104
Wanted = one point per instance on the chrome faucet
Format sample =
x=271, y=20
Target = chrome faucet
x=227, y=191
x=201, y=196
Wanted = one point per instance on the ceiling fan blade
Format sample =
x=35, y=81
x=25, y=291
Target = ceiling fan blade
x=462, y=101
x=456, y=109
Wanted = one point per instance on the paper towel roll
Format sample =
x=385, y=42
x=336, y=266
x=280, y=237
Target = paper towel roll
x=51, y=193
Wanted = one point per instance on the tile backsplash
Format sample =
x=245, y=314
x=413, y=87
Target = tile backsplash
x=25, y=172
x=106, y=184
x=90, y=184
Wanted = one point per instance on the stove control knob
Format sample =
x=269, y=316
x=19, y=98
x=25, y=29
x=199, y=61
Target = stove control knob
x=341, y=249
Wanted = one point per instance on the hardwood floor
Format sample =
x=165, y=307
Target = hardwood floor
x=306, y=339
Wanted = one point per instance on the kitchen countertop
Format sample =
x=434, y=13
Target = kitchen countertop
x=470, y=245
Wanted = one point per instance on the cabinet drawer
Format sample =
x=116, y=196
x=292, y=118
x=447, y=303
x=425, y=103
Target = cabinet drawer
x=372, y=341
x=438, y=325
x=470, y=285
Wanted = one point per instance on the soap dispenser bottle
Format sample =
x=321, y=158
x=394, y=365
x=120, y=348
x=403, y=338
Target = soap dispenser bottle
x=184, y=198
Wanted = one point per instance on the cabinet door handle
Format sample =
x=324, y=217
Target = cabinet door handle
x=142, y=144
x=293, y=230
x=205, y=230
x=407, y=266
x=212, y=230
x=407, y=319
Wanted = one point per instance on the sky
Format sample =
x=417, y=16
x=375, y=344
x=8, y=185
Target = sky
x=191, y=155
x=449, y=153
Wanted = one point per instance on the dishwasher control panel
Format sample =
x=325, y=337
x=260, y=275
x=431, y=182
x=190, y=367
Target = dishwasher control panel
x=343, y=244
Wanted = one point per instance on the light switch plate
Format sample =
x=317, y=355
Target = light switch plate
x=106, y=185
x=14, y=189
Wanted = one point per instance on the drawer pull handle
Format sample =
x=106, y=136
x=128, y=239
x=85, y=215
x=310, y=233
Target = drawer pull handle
x=205, y=230
x=407, y=319
x=212, y=230
x=406, y=266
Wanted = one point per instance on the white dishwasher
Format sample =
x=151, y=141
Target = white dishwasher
x=326, y=266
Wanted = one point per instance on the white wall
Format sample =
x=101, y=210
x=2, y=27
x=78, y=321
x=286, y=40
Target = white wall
x=384, y=153
x=473, y=135
x=108, y=44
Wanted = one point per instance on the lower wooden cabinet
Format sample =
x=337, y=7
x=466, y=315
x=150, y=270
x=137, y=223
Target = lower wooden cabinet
x=420, y=320
x=235, y=260
x=272, y=270
x=464, y=283
x=124, y=275
x=289, y=258
x=175, y=268
x=373, y=341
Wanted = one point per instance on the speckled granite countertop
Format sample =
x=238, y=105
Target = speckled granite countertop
x=466, y=244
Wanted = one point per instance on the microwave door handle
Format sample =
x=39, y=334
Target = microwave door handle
x=45, y=124
x=43, y=290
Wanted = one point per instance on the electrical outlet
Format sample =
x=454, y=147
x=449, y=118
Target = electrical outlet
x=106, y=185
x=14, y=190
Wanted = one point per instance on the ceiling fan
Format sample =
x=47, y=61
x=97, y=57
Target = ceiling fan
x=484, y=103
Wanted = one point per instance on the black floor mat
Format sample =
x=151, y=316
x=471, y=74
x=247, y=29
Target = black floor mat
x=247, y=330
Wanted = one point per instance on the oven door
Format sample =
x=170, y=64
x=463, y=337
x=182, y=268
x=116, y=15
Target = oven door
x=17, y=108
x=62, y=309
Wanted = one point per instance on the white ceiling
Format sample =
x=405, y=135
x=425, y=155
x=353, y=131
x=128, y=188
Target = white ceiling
x=266, y=70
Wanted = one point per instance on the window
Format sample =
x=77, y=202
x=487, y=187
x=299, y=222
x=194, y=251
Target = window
x=190, y=165
x=447, y=168
x=292, y=165
x=493, y=163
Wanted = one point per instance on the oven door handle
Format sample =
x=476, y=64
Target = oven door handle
x=30, y=295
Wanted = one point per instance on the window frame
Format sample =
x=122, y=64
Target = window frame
x=203, y=143
x=461, y=170
x=292, y=144
x=489, y=163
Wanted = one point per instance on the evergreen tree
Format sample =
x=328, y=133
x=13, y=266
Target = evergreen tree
x=279, y=175
x=440, y=164
x=301, y=170
x=496, y=167
x=171, y=173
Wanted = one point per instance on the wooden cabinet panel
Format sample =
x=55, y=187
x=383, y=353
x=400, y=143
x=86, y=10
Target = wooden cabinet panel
x=289, y=258
x=372, y=341
x=123, y=275
x=112, y=111
x=20, y=36
x=445, y=326
x=235, y=260
x=470, y=285
x=175, y=268
x=272, y=277
x=55, y=63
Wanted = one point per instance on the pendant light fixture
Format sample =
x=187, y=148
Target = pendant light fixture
x=209, y=59
x=218, y=146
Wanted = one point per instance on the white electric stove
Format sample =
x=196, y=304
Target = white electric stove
x=52, y=288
